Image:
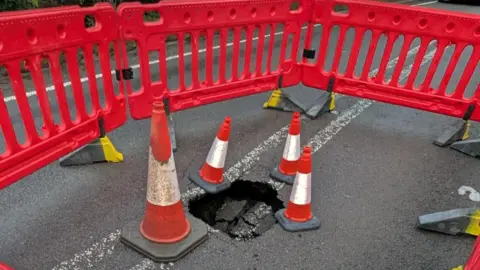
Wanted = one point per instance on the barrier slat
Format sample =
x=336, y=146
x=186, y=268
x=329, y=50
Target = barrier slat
x=13, y=69
x=379, y=77
x=48, y=126
x=42, y=37
x=261, y=43
x=60, y=91
x=450, y=68
x=402, y=57
x=273, y=26
x=11, y=144
x=357, y=44
x=92, y=81
x=209, y=60
x=417, y=63
x=467, y=73
x=248, y=52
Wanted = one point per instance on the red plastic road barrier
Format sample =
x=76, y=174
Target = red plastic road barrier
x=5, y=267
x=31, y=38
x=474, y=261
x=209, y=22
x=452, y=34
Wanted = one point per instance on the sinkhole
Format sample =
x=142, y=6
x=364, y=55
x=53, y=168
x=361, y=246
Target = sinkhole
x=244, y=211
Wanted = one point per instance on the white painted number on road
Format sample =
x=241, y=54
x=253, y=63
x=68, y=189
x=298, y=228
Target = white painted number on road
x=472, y=193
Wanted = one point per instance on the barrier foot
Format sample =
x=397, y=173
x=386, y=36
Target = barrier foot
x=100, y=150
x=452, y=222
x=194, y=176
x=164, y=252
x=468, y=147
x=323, y=104
x=456, y=132
x=171, y=131
x=281, y=101
x=292, y=226
x=278, y=176
x=171, y=125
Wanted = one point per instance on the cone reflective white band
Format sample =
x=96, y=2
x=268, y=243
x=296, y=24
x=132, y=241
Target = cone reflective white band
x=162, y=183
x=217, y=154
x=301, y=190
x=292, y=150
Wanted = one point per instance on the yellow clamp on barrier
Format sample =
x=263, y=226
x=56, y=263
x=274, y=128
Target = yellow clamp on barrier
x=111, y=154
x=331, y=107
x=473, y=227
x=458, y=268
x=274, y=99
x=466, y=134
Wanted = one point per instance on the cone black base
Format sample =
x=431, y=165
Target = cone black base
x=132, y=237
x=292, y=226
x=277, y=175
x=194, y=176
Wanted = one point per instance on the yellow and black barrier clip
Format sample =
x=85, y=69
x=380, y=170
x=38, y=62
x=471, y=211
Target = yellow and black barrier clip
x=459, y=131
x=100, y=150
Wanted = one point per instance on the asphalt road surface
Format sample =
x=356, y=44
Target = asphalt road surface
x=375, y=170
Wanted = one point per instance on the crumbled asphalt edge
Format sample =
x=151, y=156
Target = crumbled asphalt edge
x=258, y=201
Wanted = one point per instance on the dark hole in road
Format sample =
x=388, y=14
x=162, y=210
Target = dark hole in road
x=244, y=211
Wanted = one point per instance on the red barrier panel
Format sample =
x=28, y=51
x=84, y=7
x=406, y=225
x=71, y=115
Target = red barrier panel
x=415, y=35
x=209, y=22
x=30, y=40
x=474, y=260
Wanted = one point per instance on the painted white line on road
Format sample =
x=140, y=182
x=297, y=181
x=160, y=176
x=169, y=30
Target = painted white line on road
x=473, y=195
x=94, y=254
x=426, y=3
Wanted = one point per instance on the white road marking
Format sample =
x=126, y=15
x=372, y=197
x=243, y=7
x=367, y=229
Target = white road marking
x=426, y=3
x=473, y=195
x=244, y=165
x=94, y=254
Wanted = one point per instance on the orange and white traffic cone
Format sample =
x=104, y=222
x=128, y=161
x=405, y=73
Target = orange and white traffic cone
x=165, y=233
x=210, y=176
x=298, y=214
x=286, y=170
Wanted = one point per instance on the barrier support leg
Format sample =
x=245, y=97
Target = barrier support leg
x=100, y=150
x=456, y=132
x=171, y=125
x=324, y=103
x=453, y=222
x=280, y=100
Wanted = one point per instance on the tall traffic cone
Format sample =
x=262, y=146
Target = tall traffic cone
x=210, y=176
x=286, y=170
x=298, y=214
x=166, y=233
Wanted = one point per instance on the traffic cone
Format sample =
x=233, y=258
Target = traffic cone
x=298, y=214
x=165, y=233
x=286, y=170
x=210, y=176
